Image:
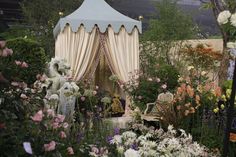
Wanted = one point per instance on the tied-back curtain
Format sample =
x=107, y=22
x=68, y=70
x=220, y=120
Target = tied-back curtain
x=80, y=49
x=122, y=52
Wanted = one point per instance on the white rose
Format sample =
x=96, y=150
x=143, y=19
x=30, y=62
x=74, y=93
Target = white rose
x=223, y=17
x=231, y=45
x=131, y=153
x=233, y=20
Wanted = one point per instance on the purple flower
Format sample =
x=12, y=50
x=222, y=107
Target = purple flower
x=134, y=146
x=108, y=139
x=117, y=131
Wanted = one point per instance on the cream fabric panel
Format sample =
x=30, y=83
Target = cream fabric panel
x=78, y=48
x=123, y=52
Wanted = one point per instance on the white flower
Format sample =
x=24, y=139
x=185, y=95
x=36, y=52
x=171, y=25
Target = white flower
x=129, y=134
x=203, y=73
x=231, y=45
x=120, y=149
x=190, y=67
x=233, y=20
x=116, y=139
x=131, y=153
x=223, y=17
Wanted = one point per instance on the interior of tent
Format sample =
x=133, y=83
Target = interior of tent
x=99, y=44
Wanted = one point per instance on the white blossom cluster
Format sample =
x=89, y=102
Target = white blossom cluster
x=159, y=143
x=226, y=17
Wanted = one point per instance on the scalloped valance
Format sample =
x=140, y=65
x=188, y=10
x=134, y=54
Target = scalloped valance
x=97, y=12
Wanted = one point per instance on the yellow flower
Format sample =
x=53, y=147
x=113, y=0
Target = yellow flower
x=223, y=98
x=216, y=110
x=222, y=106
x=228, y=93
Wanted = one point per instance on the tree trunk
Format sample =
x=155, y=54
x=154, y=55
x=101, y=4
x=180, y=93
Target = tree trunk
x=223, y=69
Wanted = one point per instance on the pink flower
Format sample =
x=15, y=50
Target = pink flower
x=16, y=84
x=4, y=53
x=23, y=96
x=7, y=52
x=24, y=65
x=38, y=117
x=38, y=76
x=82, y=98
x=164, y=86
x=18, y=62
x=51, y=112
x=65, y=125
x=55, y=125
x=96, y=87
x=62, y=134
x=60, y=118
x=50, y=146
x=70, y=151
x=2, y=44
x=140, y=97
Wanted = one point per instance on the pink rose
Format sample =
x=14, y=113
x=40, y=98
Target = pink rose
x=82, y=98
x=4, y=53
x=55, y=125
x=50, y=146
x=70, y=151
x=38, y=117
x=23, y=96
x=24, y=65
x=62, y=134
x=18, y=62
x=2, y=44
x=60, y=118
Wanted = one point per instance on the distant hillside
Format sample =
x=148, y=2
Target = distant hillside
x=146, y=8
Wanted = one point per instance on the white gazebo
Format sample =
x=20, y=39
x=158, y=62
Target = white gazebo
x=95, y=28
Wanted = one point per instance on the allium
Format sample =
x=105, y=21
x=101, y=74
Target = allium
x=233, y=20
x=131, y=153
x=50, y=146
x=70, y=151
x=223, y=17
x=38, y=116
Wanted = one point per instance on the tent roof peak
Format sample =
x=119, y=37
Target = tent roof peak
x=96, y=12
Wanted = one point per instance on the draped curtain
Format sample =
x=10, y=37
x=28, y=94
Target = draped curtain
x=80, y=49
x=122, y=52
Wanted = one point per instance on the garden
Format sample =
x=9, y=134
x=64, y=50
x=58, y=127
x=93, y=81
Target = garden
x=107, y=89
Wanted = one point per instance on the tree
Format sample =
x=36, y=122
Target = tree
x=43, y=15
x=171, y=27
x=218, y=6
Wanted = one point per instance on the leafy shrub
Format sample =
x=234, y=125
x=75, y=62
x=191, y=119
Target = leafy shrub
x=30, y=52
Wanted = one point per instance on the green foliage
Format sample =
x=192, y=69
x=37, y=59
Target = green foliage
x=30, y=52
x=172, y=23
